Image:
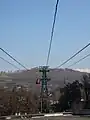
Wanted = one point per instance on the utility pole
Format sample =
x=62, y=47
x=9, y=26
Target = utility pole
x=44, y=89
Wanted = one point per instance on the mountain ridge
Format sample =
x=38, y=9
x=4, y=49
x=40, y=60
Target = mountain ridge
x=28, y=78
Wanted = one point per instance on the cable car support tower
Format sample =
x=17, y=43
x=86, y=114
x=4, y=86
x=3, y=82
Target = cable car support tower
x=44, y=90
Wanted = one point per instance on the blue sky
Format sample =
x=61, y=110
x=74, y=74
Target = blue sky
x=25, y=27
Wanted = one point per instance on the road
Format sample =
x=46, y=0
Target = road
x=57, y=118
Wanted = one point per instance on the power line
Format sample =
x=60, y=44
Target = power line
x=52, y=31
x=74, y=55
x=79, y=60
x=9, y=63
x=13, y=58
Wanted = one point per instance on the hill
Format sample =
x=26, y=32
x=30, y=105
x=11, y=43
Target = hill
x=58, y=76
x=28, y=78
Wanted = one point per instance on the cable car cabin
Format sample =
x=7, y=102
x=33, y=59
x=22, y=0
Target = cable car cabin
x=38, y=81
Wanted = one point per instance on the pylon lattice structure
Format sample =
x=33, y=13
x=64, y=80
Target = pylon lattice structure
x=44, y=89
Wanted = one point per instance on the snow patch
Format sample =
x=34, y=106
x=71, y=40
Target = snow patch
x=83, y=70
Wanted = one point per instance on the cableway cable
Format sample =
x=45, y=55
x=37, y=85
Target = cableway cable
x=9, y=63
x=79, y=60
x=74, y=55
x=13, y=58
x=52, y=32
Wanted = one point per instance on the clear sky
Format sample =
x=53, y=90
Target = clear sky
x=25, y=27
